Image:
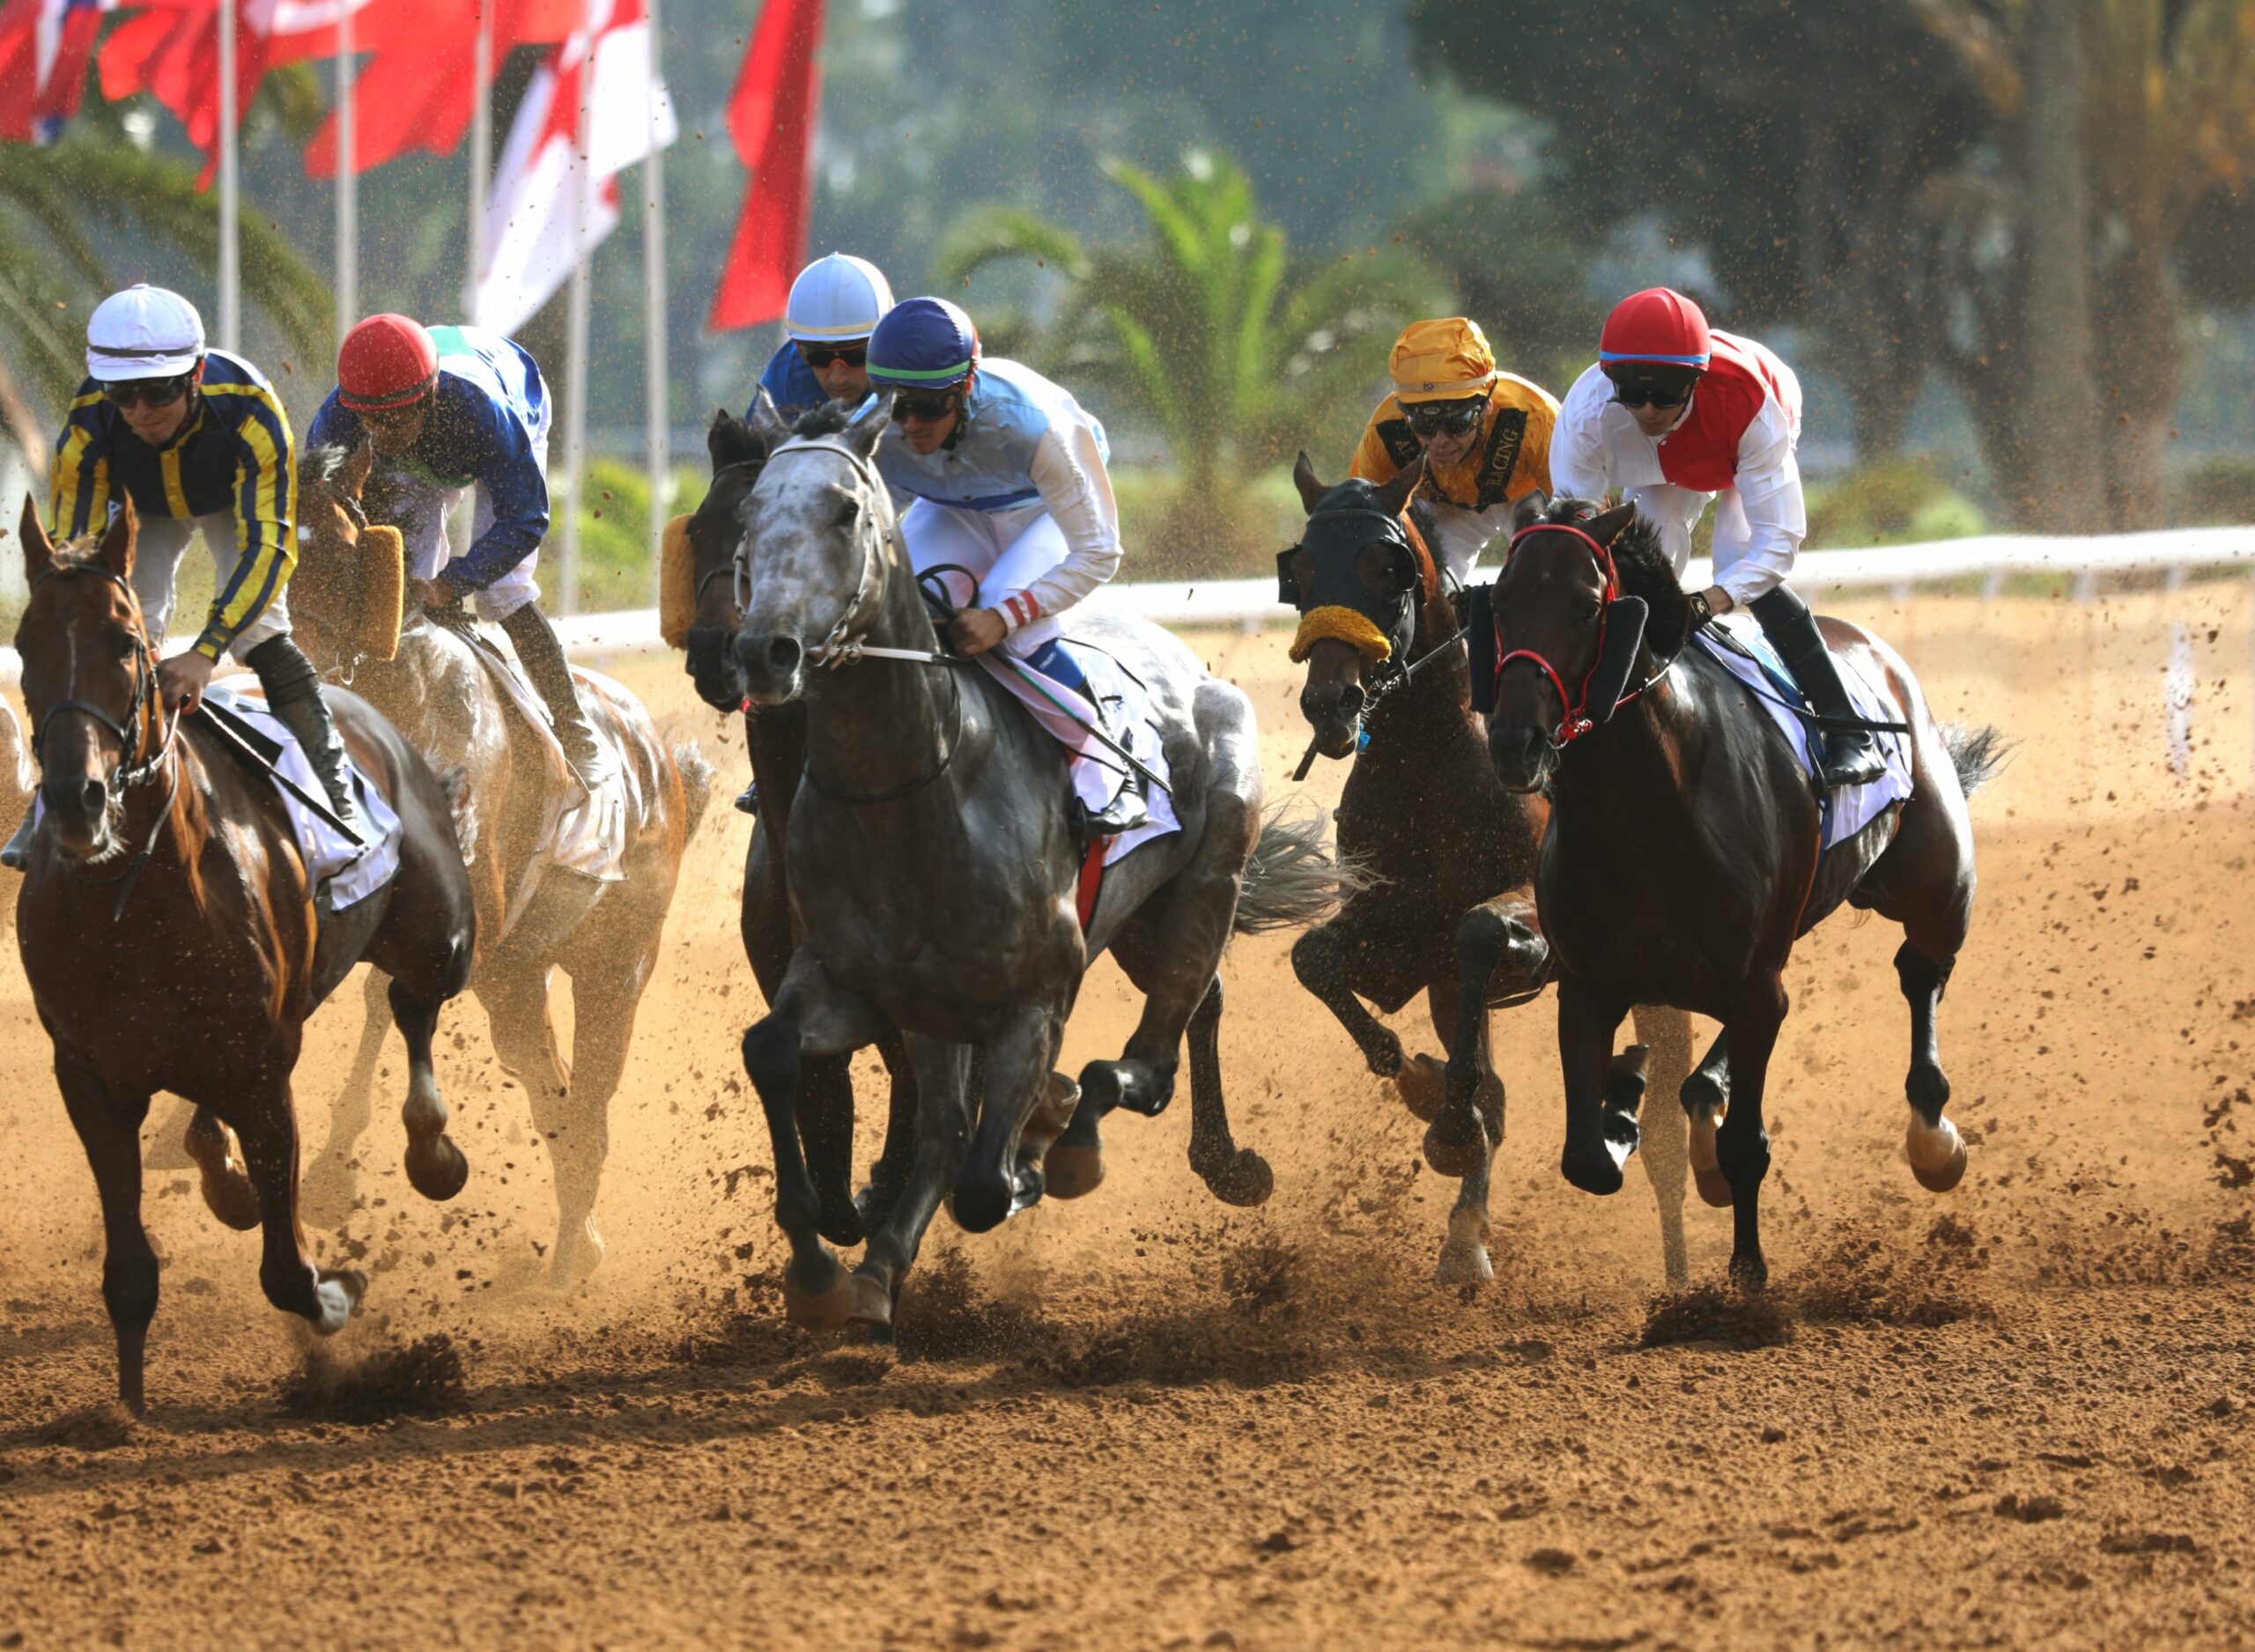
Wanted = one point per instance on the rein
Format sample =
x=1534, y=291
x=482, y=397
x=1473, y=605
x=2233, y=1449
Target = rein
x=1577, y=721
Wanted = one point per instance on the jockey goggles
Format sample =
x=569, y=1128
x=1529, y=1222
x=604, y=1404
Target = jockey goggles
x=926, y=406
x=820, y=356
x=1633, y=389
x=148, y=392
x=1445, y=418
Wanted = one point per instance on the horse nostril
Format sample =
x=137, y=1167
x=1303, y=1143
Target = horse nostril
x=93, y=796
x=783, y=655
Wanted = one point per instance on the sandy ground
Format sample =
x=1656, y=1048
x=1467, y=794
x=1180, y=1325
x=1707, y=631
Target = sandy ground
x=2020, y=1414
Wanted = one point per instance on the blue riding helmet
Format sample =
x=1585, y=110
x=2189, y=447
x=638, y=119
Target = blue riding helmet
x=923, y=345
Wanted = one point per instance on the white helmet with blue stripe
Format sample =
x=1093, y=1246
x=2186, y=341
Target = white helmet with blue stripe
x=837, y=299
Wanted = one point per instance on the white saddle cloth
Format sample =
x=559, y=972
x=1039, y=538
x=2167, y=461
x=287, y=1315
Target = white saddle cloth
x=1126, y=708
x=352, y=873
x=1845, y=812
x=587, y=838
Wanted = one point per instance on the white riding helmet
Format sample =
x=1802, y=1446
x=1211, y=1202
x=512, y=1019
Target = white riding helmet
x=144, y=332
x=835, y=298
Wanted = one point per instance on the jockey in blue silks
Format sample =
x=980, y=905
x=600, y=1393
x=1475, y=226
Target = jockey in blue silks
x=449, y=409
x=1005, y=476
x=834, y=306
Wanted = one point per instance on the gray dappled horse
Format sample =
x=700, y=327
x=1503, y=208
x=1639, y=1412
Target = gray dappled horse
x=935, y=869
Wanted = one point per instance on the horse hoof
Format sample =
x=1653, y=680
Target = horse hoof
x=980, y=1207
x=1464, y=1265
x=228, y=1193
x=872, y=1300
x=436, y=1168
x=841, y=1224
x=1937, y=1154
x=1423, y=1084
x=1107, y=1084
x=578, y=1253
x=1450, y=1154
x=1714, y=1186
x=1073, y=1172
x=830, y=1310
x=1749, y=1273
x=352, y=1281
x=1593, y=1173
x=1244, y=1180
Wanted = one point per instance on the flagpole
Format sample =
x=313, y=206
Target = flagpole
x=654, y=364
x=575, y=357
x=348, y=179
x=481, y=152
x=230, y=250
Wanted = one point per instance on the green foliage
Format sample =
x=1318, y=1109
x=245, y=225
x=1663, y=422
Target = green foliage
x=1205, y=334
x=1893, y=501
x=2219, y=491
x=1265, y=516
x=618, y=563
x=1521, y=268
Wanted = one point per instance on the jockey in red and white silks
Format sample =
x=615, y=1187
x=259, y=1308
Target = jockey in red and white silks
x=1005, y=477
x=1675, y=414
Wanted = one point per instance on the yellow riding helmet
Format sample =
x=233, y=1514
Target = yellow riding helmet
x=1441, y=360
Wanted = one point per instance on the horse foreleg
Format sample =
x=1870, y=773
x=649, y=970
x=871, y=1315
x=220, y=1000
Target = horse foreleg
x=1706, y=1100
x=824, y=1114
x=325, y=1195
x=1235, y=1175
x=890, y=1174
x=1018, y=1053
x=268, y=1125
x=1499, y=952
x=943, y=1125
x=577, y=1124
x=435, y=1166
x=1599, y=1138
x=1663, y=1146
x=1757, y=1009
x=110, y=1129
x=811, y=1018
x=1323, y=959
x=1937, y=1151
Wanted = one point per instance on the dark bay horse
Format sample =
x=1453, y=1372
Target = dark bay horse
x=509, y=787
x=172, y=944
x=935, y=869
x=1684, y=855
x=1449, y=908
x=702, y=622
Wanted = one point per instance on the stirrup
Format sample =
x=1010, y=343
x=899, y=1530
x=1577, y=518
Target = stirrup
x=1124, y=814
x=1851, y=758
x=748, y=799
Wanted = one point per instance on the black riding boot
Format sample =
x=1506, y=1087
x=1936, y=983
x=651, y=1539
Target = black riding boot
x=294, y=695
x=1124, y=814
x=1847, y=757
x=542, y=655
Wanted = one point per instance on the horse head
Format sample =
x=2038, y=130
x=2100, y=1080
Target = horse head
x=739, y=451
x=1586, y=601
x=820, y=567
x=1357, y=581
x=346, y=591
x=89, y=681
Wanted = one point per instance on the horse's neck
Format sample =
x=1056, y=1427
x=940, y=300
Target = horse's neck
x=875, y=724
x=1432, y=713
x=1645, y=754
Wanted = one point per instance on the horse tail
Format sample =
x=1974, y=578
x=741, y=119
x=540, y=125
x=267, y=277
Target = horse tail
x=696, y=784
x=1294, y=879
x=1978, y=753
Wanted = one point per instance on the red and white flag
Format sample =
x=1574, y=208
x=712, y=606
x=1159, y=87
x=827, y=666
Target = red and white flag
x=45, y=46
x=554, y=201
x=772, y=117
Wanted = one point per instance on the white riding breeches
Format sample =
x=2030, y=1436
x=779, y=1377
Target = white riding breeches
x=158, y=550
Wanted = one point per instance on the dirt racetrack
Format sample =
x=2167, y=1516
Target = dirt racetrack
x=2021, y=1413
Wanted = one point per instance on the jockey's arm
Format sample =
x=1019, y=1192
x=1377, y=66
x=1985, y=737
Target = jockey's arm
x=1068, y=469
x=78, y=492
x=1576, y=459
x=266, y=523
x=509, y=471
x=1776, y=516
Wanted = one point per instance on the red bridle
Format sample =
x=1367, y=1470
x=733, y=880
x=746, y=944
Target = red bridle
x=1577, y=720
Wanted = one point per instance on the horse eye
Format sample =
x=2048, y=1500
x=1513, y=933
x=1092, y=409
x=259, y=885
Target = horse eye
x=121, y=642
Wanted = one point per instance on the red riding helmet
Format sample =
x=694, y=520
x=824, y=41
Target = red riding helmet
x=386, y=362
x=1658, y=327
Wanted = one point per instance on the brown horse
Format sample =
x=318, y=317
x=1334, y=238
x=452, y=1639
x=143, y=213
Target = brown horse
x=701, y=617
x=1685, y=851
x=1448, y=909
x=172, y=943
x=510, y=786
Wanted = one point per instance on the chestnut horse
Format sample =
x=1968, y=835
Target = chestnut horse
x=1448, y=909
x=509, y=787
x=1685, y=851
x=172, y=943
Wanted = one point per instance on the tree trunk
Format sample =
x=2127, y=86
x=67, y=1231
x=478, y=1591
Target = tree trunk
x=2064, y=491
x=2140, y=367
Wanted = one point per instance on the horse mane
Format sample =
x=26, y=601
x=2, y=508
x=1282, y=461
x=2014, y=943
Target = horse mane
x=322, y=463
x=1644, y=569
x=830, y=419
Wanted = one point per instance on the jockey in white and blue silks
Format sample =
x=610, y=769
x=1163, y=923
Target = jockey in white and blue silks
x=1004, y=476
x=834, y=306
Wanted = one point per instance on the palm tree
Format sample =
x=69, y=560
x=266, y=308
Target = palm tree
x=1207, y=332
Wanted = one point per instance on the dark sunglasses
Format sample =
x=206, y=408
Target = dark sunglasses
x=1636, y=396
x=1445, y=418
x=147, y=391
x=820, y=356
x=926, y=407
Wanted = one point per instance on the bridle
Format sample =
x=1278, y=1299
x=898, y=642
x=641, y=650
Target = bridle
x=1577, y=720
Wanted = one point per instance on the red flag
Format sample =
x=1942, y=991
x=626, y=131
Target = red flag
x=420, y=91
x=771, y=116
x=45, y=46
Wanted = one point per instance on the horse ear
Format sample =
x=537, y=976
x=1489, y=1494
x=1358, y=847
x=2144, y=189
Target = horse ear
x=352, y=474
x=1528, y=510
x=767, y=425
x=1311, y=491
x=1395, y=494
x=116, y=552
x=39, y=551
x=869, y=424
x=730, y=441
x=1606, y=526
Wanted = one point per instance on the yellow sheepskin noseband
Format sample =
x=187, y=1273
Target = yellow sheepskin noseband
x=383, y=592
x=1342, y=624
x=677, y=584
